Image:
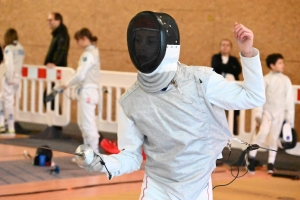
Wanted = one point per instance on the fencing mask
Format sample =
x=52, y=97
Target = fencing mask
x=288, y=137
x=148, y=35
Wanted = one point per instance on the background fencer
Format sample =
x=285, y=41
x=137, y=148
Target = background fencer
x=279, y=107
x=86, y=78
x=176, y=112
x=13, y=61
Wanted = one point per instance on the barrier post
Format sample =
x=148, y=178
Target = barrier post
x=117, y=81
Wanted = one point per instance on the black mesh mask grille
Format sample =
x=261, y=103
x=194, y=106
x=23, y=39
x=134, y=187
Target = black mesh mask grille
x=148, y=35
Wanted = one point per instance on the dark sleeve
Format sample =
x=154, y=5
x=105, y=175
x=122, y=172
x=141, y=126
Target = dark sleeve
x=216, y=64
x=233, y=67
x=51, y=50
x=1, y=54
x=61, y=54
x=238, y=68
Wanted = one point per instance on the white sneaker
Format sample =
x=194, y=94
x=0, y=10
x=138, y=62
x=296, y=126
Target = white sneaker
x=270, y=168
x=2, y=129
x=11, y=132
x=8, y=134
x=251, y=172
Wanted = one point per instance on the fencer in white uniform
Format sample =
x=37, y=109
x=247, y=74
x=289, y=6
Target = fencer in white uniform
x=279, y=107
x=13, y=61
x=87, y=80
x=175, y=112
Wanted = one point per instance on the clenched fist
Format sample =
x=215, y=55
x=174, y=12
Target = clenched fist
x=244, y=38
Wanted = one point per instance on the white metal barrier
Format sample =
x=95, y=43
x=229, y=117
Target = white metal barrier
x=111, y=86
x=36, y=78
x=120, y=80
x=123, y=80
x=30, y=98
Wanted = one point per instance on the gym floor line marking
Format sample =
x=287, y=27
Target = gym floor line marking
x=72, y=188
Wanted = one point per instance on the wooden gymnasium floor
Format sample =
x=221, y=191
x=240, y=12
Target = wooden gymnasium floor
x=127, y=187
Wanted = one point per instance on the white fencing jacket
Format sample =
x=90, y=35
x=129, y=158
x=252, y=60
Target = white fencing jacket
x=13, y=58
x=87, y=74
x=183, y=130
x=279, y=97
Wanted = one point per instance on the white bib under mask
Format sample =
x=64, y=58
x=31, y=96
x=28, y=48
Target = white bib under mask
x=165, y=72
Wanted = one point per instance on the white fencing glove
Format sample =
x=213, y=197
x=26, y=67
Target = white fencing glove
x=92, y=161
x=58, y=88
x=95, y=164
x=88, y=159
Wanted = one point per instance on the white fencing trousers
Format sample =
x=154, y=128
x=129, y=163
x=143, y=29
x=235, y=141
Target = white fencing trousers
x=268, y=135
x=7, y=102
x=151, y=190
x=86, y=119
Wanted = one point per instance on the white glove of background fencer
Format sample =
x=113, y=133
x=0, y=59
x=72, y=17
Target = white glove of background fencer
x=13, y=80
x=57, y=88
x=88, y=159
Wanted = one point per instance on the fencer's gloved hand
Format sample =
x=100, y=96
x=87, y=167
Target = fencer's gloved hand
x=96, y=164
x=88, y=159
x=58, y=88
x=13, y=80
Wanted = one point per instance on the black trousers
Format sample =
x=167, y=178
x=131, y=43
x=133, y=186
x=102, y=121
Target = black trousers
x=236, y=113
x=235, y=122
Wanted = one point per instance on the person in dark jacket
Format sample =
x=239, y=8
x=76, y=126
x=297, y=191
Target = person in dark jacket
x=58, y=51
x=1, y=54
x=226, y=65
x=223, y=63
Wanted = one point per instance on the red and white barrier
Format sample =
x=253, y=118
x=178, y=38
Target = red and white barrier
x=51, y=74
x=296, y=90
x=117, y=81
x=114, y=83
x=35, y=80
